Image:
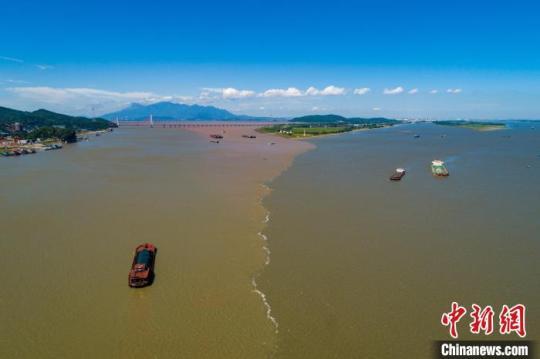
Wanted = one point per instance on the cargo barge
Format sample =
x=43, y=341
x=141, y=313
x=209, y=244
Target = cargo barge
x=439, y=169
x=398, y=174
x=142, y=268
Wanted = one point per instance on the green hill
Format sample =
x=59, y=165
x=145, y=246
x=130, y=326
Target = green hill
x=318, y=125
x=340, y=119
x=320, y=119
x=44, y=118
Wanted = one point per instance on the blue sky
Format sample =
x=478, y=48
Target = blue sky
x=426, y=59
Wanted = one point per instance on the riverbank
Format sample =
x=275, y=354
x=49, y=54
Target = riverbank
x=473, y=125
x=303, y=131
x=11, y=147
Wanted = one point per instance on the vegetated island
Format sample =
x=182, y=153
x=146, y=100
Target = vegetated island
x=319, y=125
x=23, y=132
x=473, y=125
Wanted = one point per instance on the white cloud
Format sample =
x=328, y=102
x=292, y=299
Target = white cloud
x=61, y=95
x=11, y=59
x=289, y=92
x=12, y=81
x=327, y=91
x=234, y=93
x=44, y=67
x=362, y=91
x=376, y=108
x=174, y=98
x=454, y=91
x=394, y=91
x=312, y=91
x=433, y=92
x=227, y=93
x=205, y=95
x=333, y=91
x=413, y=91
x=82, y=100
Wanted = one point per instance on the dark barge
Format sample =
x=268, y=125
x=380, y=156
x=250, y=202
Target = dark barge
x=398, y=174
x=142, y=268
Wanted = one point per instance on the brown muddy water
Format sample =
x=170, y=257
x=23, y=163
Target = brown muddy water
x=69, y=223
x=350, y=264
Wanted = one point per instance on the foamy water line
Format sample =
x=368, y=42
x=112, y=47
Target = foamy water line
x=266, y=304
x=261, y=294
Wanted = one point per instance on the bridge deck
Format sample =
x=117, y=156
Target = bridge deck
x=190, y=124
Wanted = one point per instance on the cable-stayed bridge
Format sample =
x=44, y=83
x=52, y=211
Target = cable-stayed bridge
x=150, y=122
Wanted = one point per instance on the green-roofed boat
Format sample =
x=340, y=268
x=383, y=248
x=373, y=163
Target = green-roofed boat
x=439, y=169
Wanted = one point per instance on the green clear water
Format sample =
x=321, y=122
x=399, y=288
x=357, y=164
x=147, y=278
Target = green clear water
x=363, y=267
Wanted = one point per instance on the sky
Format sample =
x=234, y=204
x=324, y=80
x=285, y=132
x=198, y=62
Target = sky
x=403, y=59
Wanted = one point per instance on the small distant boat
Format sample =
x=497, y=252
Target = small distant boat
x=398, y=174
x=54, y=146
x=438, y=168
x=214, y=141
x=142, y=268
x=216, y=136
x=416, y=136
x=249, y=136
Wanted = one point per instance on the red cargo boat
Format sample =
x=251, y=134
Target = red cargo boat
x=142, y=268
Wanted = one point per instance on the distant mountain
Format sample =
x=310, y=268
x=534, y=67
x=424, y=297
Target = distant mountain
x=337, y=119
x=44, y=118
x=176, y=111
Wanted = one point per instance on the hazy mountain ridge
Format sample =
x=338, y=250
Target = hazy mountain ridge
x=176, y=111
